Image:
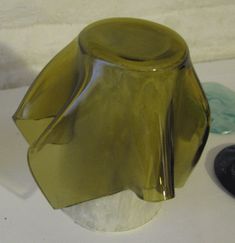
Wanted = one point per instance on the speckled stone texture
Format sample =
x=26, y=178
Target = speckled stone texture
x=225, y=168
x=119, y=212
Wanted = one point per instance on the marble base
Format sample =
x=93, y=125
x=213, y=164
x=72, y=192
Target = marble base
x=119, y=212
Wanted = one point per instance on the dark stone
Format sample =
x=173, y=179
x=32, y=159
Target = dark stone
x=224, y=166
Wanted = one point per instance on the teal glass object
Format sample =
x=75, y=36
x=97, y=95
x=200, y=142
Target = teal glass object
x=222, y=104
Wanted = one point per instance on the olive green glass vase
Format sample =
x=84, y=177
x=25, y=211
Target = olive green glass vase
x=120, y=107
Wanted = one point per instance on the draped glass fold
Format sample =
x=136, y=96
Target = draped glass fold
x=120, y=107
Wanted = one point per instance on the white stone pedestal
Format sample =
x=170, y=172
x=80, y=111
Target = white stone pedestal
x=119, y=212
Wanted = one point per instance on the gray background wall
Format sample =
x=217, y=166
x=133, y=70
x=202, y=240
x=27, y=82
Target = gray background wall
x=32, y=32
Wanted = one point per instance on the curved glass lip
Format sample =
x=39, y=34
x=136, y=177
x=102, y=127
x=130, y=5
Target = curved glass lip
x=145, y=65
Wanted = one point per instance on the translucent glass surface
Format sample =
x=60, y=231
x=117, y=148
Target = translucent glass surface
x=222, y=105
x=119, y=108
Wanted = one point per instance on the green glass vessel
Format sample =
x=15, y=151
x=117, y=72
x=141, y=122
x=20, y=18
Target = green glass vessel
x=119, y=108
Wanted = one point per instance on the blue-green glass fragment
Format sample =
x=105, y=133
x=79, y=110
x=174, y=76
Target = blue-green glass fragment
x=222, y=104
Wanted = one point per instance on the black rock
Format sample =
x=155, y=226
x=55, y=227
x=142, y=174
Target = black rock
x=224, y=166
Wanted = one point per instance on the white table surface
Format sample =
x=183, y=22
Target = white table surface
x=201, y=212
